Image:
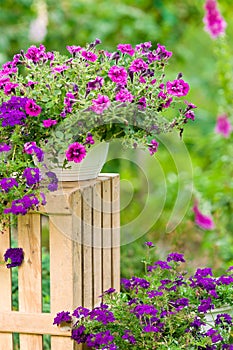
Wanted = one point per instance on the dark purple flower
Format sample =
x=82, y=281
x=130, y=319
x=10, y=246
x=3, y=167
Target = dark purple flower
x=154, y=293
x=32, y=108
x=144, y=309
x=197, y=323
x=149, y=244
x=81, y=312
x=190, y=115
x=95, y=84
x=32, y=176
x=203, y=272
x=22, y=205
x=13, y=257
x=153, y=147
x=78, y=334
x=89, y=139
x=223, y=318
x=129, y=337
x=53, y=181
x=179, y=304
x=177, y=87
x=98, y=340
x=215, y=24
x=175, y=257
x=76, y=152
x=225, y=280
x=201, y=220
x=126, y=49
x=118, y=75
x=102, y=315
x=205, y=305
x=7, y=183
x=162, y=264
x=63, y=316
x=100, y=104
x=223, y=126
x=141, y=103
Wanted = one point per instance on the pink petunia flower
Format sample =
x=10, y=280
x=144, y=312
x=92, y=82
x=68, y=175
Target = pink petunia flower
x=126, y=48
x=177, y=87
x=49, y=122
x=100, y=104
x=202, y=220
x=32, y=108
x=118, y=75
x=223, y=126
x=76, y=152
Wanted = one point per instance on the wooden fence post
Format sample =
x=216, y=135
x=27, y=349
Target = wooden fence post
x=84, y=234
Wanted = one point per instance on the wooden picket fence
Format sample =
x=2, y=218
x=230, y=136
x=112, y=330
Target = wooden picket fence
x=84, y=253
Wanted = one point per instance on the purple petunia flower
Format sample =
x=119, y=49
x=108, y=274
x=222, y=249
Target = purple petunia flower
x=63, y=316
x=149, y=244
x=201, y=220
x=223, y=318
x=76, y=152
x=95, y=84
x=15, y=256
x=22, y=205
x=177, y=87
x=81, y=312
x=215, y=24
x=223, y=126
x=205, y=305
x=100, y=104
x=99, y=340
x=118, y=75
x=32, y=148
x=89, y=139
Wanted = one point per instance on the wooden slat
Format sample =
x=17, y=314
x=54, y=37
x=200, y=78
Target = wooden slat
x=6, y=340
x=87, y=248
x=30, y=289
x=116, y=232
x=107, y=235
x=29, y=323
x=61, y=278
x=97, y=243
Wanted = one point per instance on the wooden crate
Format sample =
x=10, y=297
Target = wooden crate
x=84, y=261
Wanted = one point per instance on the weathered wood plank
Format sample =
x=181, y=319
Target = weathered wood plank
x=6, y=340
x=30, y=274
x=97, y=243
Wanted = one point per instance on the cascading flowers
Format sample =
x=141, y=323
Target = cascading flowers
x=66, y=103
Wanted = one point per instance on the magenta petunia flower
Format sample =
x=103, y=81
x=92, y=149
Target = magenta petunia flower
x=126, y=48
x=76, y=152
x=138, y=65
x=153, y=147
x=118, y=75
x=49, y=122
x=201, y=220
x=9, y=88
x=60, y=69
x=215, y=24
x=4, y=147
x=89, y=56
x=36, y=54
x=177, y=87
x=100, y=104
x=223, y=126
x=124, y=96
x=32, y=108
x=73, y=49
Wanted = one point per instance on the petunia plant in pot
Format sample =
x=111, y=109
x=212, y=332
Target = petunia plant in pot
x=64, y=104
x=166, y=308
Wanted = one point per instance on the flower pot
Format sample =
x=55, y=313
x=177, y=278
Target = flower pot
x=88, y=169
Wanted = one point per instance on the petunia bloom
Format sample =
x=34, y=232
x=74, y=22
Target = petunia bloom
x=177, y=87
x=202, y=220
x=76, y=152
x=32, y=108
x=13, y=257
x=223, y=126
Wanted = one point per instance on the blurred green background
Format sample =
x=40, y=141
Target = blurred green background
x=205, y=65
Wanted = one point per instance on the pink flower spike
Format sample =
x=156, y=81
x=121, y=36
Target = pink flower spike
x=215, y=24
x=201, y=220
x=32, y=108
x=223, y=126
